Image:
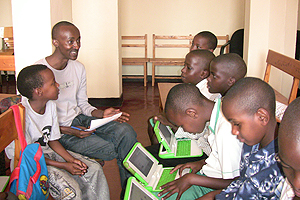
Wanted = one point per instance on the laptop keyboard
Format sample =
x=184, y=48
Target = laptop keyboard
x=166, y=177
x=183, y=148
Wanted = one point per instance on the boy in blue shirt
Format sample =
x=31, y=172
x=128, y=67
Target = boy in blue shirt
x=249, y=106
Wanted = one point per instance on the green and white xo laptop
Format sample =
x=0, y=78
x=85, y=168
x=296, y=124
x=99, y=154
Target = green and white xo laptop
x=136, y=191
x=175, y=148
x=146, y=169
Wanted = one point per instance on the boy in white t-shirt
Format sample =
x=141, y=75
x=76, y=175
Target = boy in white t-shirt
x=187, y=107
x=71, y=175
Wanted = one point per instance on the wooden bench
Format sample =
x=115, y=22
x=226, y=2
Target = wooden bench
x=174, y=42
x=136, y=60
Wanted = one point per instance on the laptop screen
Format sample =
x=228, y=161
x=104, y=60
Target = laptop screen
x=165, y=131
x=137, y=193
x=141, y=161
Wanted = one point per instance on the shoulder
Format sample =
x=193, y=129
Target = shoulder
x=41, y=61
x=51, y=104
x=75, y=63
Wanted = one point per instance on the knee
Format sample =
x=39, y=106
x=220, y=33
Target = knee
x=94, y=166
x=128, y=130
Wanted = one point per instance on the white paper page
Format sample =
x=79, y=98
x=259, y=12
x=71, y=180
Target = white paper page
x=96, y=123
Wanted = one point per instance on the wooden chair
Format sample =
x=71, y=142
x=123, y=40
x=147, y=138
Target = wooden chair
x=288, y=65
x=8, y=131
x=222, y=40
x=8, y=38
x=136, y=60
x=163, y=41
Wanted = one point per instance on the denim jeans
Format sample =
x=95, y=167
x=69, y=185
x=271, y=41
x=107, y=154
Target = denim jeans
x=112, y=140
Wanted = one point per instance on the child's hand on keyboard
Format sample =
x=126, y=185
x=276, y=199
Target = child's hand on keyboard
x=194, y=166
x=177, y=186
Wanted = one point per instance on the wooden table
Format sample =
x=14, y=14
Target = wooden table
x=164, y=89
x=7, y=63
x=7, y=60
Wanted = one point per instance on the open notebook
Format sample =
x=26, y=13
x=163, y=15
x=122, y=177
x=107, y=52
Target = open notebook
x=175, y=148
x=146, y=169
x=136, y=191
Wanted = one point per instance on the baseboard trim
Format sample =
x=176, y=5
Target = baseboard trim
x=106, y=102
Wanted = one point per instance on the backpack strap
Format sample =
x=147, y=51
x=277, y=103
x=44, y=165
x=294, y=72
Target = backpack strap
x=18, y=123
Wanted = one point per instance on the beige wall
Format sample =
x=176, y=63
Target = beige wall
x=98, y=23
x=136, y=18
x=270, y=24
x=5, y=13
x=177, y=17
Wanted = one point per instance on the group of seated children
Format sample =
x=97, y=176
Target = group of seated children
x=231, y=117
x=242, y=134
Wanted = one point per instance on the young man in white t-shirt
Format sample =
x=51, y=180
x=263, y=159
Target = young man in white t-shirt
x=112, y=140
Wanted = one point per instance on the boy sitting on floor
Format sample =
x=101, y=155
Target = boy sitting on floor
x=187, y=107
x=250, y=108
x=289, y=151
x=71, y=176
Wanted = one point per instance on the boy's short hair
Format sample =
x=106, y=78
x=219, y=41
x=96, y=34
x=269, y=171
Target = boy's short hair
x=29, y=79
x=233, y=63
x=57, y=26
x=249, y=94
x=212, y=40
x=182, y=96
x=204, y=55
x=290, y=126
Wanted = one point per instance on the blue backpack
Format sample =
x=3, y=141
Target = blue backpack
x=29, y=180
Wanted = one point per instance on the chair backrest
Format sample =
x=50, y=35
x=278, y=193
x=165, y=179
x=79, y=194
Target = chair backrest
x=286, y=64
x=167, y=41
x=135, y=39
x=8, y=38
x=8, y=131
x=237, y=42
x=223, y=39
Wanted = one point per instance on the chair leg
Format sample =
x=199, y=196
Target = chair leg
x=7, y=78
x=145, y=74
x=1, y=82
x=153, y=74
